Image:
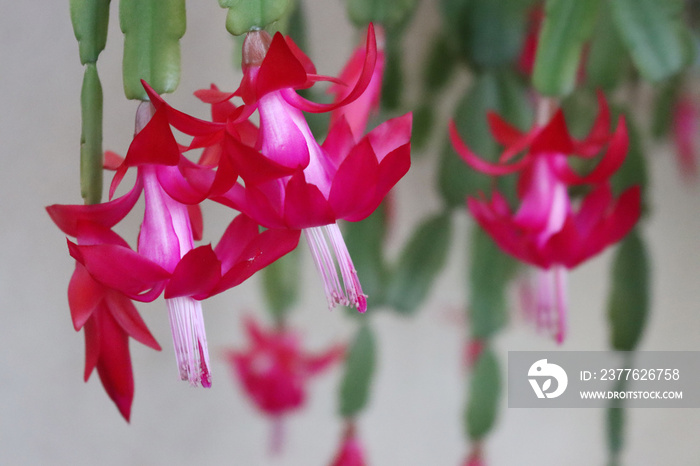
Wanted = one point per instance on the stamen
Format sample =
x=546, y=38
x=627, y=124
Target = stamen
x=551, y=302
x=189, y=339
x=351, y=292
x=353, y=289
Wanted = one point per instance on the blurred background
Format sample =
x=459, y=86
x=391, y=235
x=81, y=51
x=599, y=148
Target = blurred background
x=48, y=415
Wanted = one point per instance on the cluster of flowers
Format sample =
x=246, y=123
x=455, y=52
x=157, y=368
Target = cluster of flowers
x=275, y=175
x=551, y=230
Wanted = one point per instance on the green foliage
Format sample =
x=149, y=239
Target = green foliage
x=615, y=423
x=281, y=281
x=633, y=171
x=90, y=19
x=246, y=15
x=440, y=65
x=568, y=24
x=91, y=136
x=484, y=395
x=488, y=33
x=628, y=302
x=502, y=93
x=654, y=34
x=662, y=114
x=607, y=62
x=365, y=242
x=420, y=262
x=389, y=13
x=392, y=82
x=490, y=272
x=152, y=30
x=360, y=362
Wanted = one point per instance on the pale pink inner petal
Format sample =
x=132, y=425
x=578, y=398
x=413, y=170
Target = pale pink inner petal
x=545, y=204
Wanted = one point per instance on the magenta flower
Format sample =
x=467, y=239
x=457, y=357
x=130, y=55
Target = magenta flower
x=166, y=260
x=548, y=230
x=274, y=371
x=342, y=179
x=289, y=180
x=107, y=315
x=351, y=452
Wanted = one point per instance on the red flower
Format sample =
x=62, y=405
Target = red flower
x=548, y=230
x=166, y=260
x=289, y=180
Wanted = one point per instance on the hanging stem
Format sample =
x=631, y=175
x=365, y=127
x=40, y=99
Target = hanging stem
x=91, y=136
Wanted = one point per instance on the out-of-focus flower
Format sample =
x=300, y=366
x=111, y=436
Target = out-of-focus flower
x=549, y=230
x=274, y=370
x=351, y=452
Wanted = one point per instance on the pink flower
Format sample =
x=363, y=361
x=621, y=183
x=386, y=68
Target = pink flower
x=351, y=452
x=548, y=230
x=107, y=315
x=166, y=260
x=289, y=180
x=274, y=370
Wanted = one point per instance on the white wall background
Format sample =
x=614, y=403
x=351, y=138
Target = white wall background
x=49, y=416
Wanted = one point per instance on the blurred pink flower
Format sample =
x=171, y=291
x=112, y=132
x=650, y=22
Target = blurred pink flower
x=548, y=230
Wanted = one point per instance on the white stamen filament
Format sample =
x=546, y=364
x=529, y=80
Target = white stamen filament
x=189, y=340
x=551, y=302
x=351, y=293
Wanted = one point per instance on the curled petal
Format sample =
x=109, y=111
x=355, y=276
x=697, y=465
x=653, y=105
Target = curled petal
x=182, y=121
x=477, y=163
x=362, y=82
x=122, y=269
x=600, y=132
x=107, y=214
x=612, y=160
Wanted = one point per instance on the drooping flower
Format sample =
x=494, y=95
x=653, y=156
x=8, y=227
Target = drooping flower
x=350, y=452
x=274, y=371
x=549, y=230
x=106, y=314
x=166, y=261
x=342, y=179
x=289, y=180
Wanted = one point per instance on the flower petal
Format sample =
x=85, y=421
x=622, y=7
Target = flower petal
x=196, y=274
x=84, y=295
x=107, y=214
x=128, y=318
x=304, y=204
